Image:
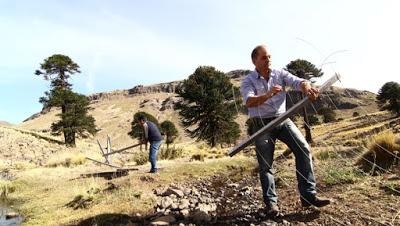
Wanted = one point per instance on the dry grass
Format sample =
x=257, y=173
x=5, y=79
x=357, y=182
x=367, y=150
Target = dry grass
x=6, y=188
x=383, y=153
x=66, y=159
x=54, y=196
x=46, y=192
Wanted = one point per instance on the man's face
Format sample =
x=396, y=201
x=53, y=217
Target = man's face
x=262, y=61
x=141, y=122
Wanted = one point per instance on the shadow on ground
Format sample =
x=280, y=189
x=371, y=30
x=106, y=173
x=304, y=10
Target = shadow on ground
x=125, y=220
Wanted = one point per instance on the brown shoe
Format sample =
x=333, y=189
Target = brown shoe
x=272, y=209
x=315, y=201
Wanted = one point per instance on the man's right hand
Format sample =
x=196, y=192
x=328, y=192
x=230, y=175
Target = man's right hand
x=256, y=101
x=142, y=142
x=275, y=89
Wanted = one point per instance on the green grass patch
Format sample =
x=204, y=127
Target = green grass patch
x=326, y=155
x=335, y=174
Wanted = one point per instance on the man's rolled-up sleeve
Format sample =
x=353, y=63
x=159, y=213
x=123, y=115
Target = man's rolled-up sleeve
x=247, y=90
x=292, y=81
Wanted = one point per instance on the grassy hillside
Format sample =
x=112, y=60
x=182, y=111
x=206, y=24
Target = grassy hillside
x=48, y=184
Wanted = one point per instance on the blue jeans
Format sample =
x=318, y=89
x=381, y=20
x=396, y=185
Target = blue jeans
x=288, y=133
x=154, y=147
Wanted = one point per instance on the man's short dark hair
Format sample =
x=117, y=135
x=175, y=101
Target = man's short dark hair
x=141, y=117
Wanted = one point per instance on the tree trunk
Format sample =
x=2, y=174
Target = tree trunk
x=213, y=143
x=70, y=140
x=63, y=110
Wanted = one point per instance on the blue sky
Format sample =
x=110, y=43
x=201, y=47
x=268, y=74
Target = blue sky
x=119, y=44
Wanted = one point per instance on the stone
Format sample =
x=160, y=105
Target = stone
x=159, y=191
x=268, y=223
x=171, y=191
x=207, y=207
x=185, y=212
x=200, y=217
x=11, y=215
x=166, y=202
x=159, y=223
x=187, y=191
x=184, y=203
x=193, y=201
x=164, y=220
x=174, y=206
x=233, y=185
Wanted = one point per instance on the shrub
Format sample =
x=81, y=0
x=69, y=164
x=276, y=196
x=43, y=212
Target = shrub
x=170, y=153
x=140, y=157
x=66, y=159
x=383, y=153
x=356, y=114
x=6, y=188
x=313, y=120
x=328, y=114
x=198, y=157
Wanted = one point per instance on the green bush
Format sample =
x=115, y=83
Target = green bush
x=328, y=114
x=313, y=120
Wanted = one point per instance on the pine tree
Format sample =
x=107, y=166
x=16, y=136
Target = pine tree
x=389, y=97
x=169, y=130
x=232, y=134
x=74, y=118
x=306, y=70
x=208, y=106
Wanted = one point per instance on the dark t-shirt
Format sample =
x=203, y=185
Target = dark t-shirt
x=153, y=132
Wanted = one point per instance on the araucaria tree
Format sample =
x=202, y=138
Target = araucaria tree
x=304, y=69
x=208, y=107
x=74, y=118
x=169, y=130
x=389, y=97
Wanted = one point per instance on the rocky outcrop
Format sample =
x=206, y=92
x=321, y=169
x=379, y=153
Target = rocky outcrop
x=237, y=73
x=170, y=87
x=108, y=96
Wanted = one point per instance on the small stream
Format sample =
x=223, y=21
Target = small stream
x=9, y=217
